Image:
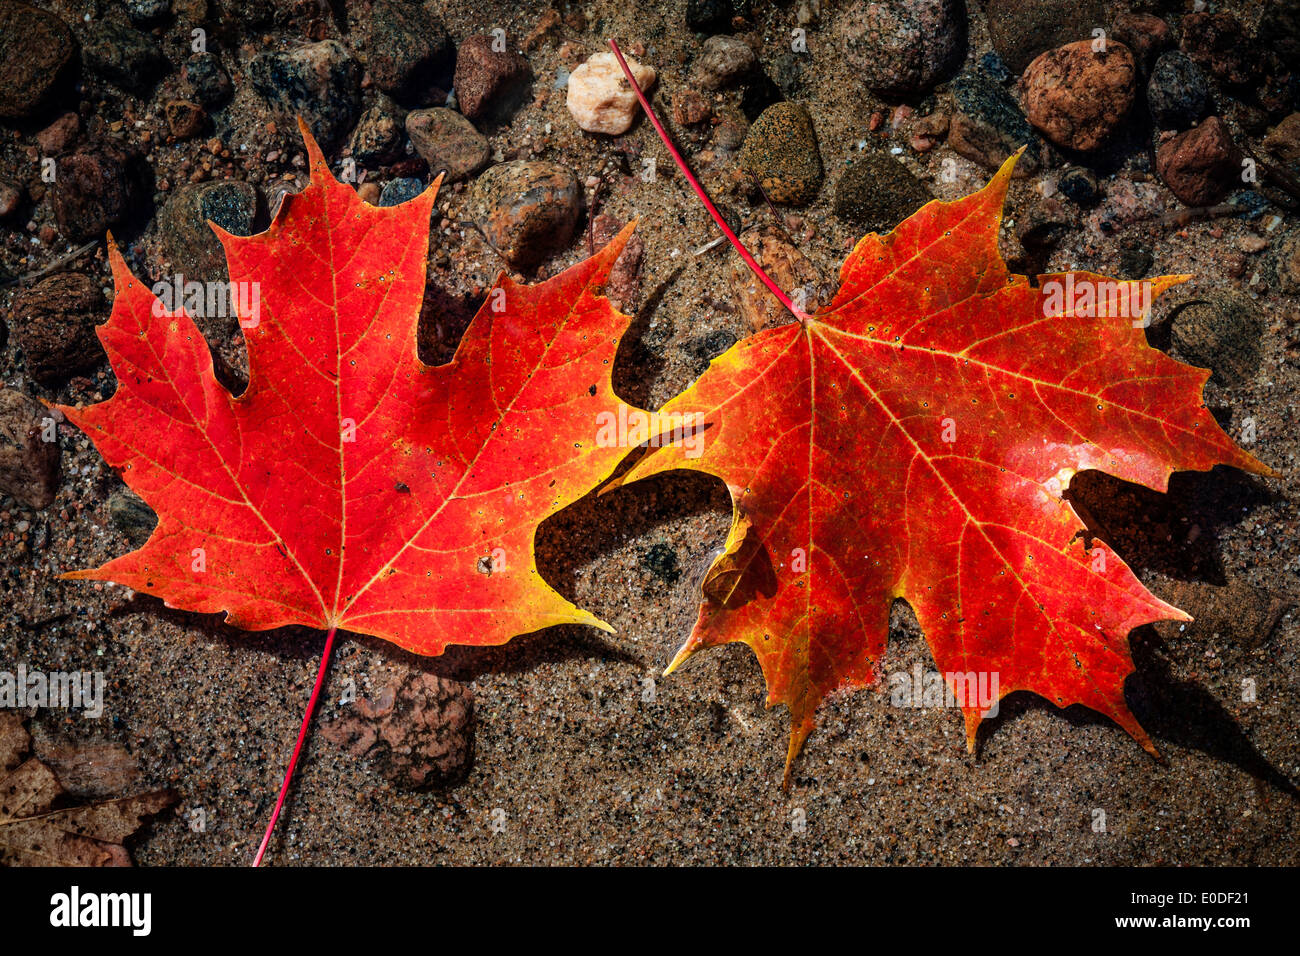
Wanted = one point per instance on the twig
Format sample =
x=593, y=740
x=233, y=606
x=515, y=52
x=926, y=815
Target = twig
x=54, y=266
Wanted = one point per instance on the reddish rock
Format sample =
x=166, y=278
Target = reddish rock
x=91, y=193
x=418, y=732
x=788, y=267
x=11, y=199
x=624, y=282
x=29, y=465
x=1078, y=97
x=1219, y=43
x=59, y=135
x=1201, y=165
x=54, y=324
x=1147, y=36
x=185, y=119
x=691, y=109
x=487, y=79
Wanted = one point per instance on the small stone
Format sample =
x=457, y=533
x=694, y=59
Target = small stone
x=1288, y=265
x=714, y=16
x=29, y=465
x=490, y=76
x=1022, y=29
x=11, y=199
x=410, y=51
x=418, y=732
x=526, y=209
x=1177, y=92
x=780, y=154
x=1079, y=185
x=902, y=47
x=124, y=57
x=789, y=268
x=624, y=282
x=1221, y=331
x=724, y=60
x=188, y=241
x=600, y=99
x=319, y=81
x=1283, y=142
x=54, y=324
x=132, y=517
x=1145, y=35
x=1135, y=261
x=1078, y=97
x=876, y=193
x=377, y=140
x=59, y=135
x=398, y=191
x=207, y=79
x=185, y=119
x=1200, y=165
x=448, y=141
x=147, y=11
x=91, y=194
x=1219, y=43
x=691, y=109
x=989, y=125
x=37, y=54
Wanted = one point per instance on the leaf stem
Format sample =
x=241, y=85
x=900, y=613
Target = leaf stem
x=699, y=191
x=297, y=749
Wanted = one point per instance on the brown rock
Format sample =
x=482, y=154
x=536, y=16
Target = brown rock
x=1078, y=98
x=1283, y=141
x=488, y=80
x=789, y=268
x=37, y=52
x=54, y=324
x=624, y=282
x=1200, y=165
x=1219, y=43
x=1221, y=331
x=526, y=209
x=59, y=135
x=691, y=109
x=29, y=465
x=91, y=193
x=447, y=140
x=185, y=119
x=1288, y=265
x=1145, y=35
x=11, y=199
x=418, y=732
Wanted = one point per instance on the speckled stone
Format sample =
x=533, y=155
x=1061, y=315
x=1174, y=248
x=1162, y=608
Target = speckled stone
x=487, y=80
x=526, y=209
x=319, y=81
x=54, y=324
x=448, y=141
x=1177, y=92
x=1220, y=331
x=780, y=154
x=29, y=466
x=1078, y=97
x=876, y=193
x=989, y=125
x=901, y=47
x=188, y=241
x=37, y=51
x=1220, y=44
x=409, y=49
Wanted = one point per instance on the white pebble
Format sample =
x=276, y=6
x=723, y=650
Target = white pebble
x=599, y=97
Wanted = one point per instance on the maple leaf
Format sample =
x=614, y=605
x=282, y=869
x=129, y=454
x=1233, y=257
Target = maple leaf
x=34, y=833
x=913, y=440
x=351, y=486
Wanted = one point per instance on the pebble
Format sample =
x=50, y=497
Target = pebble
x=1177, y=92
x=59, y=135
x=600, y=99
x=526, y=209
x=1146, y=36
x=409, y=52
x=876, y=193
x=725, y=60
x=691, y=108
x=398, y=191
x=147, y=11
x=780, y=154
x=714, y=16
x=624, y=282
x=123, y=56
x=1283, y=142
x=1022, y=29
x=11, y=201
x=989, y=125
x=91, y=194
x=206, y=79
x=1079, y=185
x=488, y=80
x=1078, y=98
x=1288, y=265
x=37, y=53
x=789, y=268
x=185, y=119
x=1221, y=331
x=902, y=47
x=418, y=732
x=446, y=140
x=1201, y=165
x=54, y=324
x=132, y=517
x=1219, y=43
x=29, y=466
x=188, y=242
x=319, y=81
x=378, y=138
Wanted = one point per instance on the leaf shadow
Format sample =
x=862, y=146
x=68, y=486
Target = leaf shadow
x=1174, y=533
x=637, y=363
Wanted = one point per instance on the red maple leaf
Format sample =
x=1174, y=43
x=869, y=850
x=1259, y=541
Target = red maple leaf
x=351, y=486
x=913, y=440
